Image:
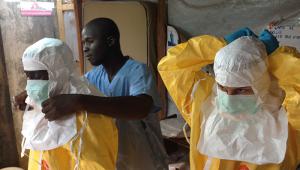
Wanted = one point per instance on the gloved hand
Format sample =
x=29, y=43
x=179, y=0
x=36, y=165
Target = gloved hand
x=269, y=40
x=237, y=34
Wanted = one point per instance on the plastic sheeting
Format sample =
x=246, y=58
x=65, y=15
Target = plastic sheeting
x=219, y=17
x=71, y=34
x=173, y=128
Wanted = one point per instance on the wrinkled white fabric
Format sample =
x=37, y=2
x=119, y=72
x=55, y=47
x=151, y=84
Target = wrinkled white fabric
x=56, y=57
x=40, y=134
x=258, y=138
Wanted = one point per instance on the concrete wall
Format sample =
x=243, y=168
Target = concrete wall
x=18, y=33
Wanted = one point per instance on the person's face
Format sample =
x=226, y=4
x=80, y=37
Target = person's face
x=94, y=47
x=37, y=75
x=236, y=90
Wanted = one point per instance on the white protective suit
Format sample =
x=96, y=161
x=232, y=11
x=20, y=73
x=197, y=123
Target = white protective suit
x=69, y=142
x=258, y=138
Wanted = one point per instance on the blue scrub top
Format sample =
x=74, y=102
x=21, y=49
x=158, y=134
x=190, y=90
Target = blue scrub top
x=132, y=79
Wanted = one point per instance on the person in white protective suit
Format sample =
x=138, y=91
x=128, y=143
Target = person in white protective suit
x=246, y=117
x=77, y=141
x=243, y=118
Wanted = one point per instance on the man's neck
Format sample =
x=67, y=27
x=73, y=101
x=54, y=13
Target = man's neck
x=114, y=64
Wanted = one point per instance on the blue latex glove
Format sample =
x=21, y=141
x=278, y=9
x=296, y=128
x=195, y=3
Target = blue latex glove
x=237, y=34
x=269, y=40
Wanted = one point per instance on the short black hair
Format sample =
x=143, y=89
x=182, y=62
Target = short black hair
x=105, y=26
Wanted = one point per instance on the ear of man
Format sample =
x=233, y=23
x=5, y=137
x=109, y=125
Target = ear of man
x=111, y=41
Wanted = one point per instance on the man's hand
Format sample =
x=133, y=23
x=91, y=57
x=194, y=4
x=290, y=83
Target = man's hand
x=19, y=101
x=61, y=105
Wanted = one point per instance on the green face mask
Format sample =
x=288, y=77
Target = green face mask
x=37, y=90
x=236, y=104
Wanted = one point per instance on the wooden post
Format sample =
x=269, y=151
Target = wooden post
x=67, y=7
x=8, y=148
x=60, y=19
x=75, y=6
x=161, y=52
x=78, y=19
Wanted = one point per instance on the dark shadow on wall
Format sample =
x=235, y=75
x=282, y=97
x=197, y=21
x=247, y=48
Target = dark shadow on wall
x=8, y=148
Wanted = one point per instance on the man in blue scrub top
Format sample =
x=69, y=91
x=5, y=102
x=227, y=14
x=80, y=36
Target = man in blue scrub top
x=131, y=98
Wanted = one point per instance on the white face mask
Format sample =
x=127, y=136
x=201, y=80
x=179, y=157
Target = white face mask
x=37, y=90
x=236, y=104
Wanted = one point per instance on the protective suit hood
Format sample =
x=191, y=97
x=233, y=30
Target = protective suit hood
x=240, y=63
x=243, y=63
x=56, y=57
